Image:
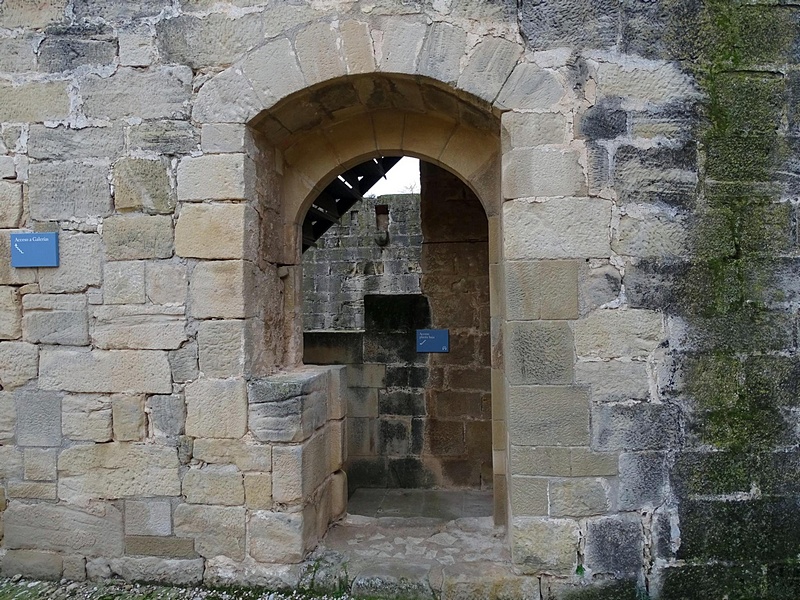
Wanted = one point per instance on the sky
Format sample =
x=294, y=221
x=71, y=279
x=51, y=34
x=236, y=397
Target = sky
x=399, y=179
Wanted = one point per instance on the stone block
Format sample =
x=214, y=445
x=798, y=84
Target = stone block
x=333, y=348
x=215, y=177
x=168, y=547
x=183, y=363
x=117, y=470
x=155, y=569
x=19, y=363
x=143, y=185
x=298, y=470
x=123, y=282
x=8, y=418
x=86, y=417
x=139, y=327
x=579, y=497
x=531, y=88
x=442, y=51
x=214, y=485
x=526, y=130
x=40, y=464
x=148, y=517
x=227, y=98
x=639, y=426
x=401, y=45
x=18, y=53
x=60, y=191
x=357, y=47
x=618, y=333
x=216, y=408
x=62, y=143
x=163, y=137
x=218, y=138
x=128, y=421
x=222, y=348
x=8, y=274
x=55, y=319
x=32, y=563
x=541, y=290
x=614, y=380
x=489, y=66
x=539, y=352
x=557, y=228
x=318, y=53
x=277, y=537
x=34, y=102
x=658, y=82
x=217, y=530
x=552, y=461
x=291, y=418
x=217, y=231
x=137, y=236
x=10, y=204
x=38, y=418
x=273, y=71
x=643, y=480
x=246, y=456
x=157, y=93
x=541, y=545
x=59, y=53
x=542, y=172
x=218, y=289
x=80, y=265
x=135, y=50
x=11, y=465
x=166, y=283
x=115, y=371
x=651, y=235
x=548, y=415
x=258, y=491
x=528, y=496
x=166, y=415
x=32, y=490
x=65, y=529
x=614, y=546
x=10, y=314
x=75, y=568
x=8, y=170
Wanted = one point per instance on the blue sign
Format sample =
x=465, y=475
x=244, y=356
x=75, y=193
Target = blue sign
x=34, y=249
x=433, y=340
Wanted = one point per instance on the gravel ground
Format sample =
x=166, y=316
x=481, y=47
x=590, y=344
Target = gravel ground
x=17, y=588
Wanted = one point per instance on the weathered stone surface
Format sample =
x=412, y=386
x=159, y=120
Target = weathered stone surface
x=539, y=352
x=10, y=204
x=614, y=546
x=137, y=236
x=163, y=137
x=219, y=485
x=544, y=545
x=146, y=568
x=643, y=479
x=8, y=418
x=277, y=537
x=119, y=371
x=80, y=265
x=139, y=327
x=64, y=190
x=32, y=490
x=614, y=333
x=401, y=45
x=222, y=348
x=442, y=51
x=59, y=528
x=168, y=547
x=17, y=54
x=223, y=137
x=528, y=496
x=530, y=87
x=10, y=463
x=114, y=12
x=127, y=414
x=656, y=82
x=32, y=563
x=10, y=314
x=38, y=418
x=214, y=40
x=542, y=172
x=214, y=177
x=135, y=50
x=246, y=456
x=273, y=71
x=525, y=130
x=318, y=53
x=289, y=420
x=55, y=319
x=579, y=497
x=61, y=143
x=233, y=227
x=217, y=530
x=541, y=289
x=123, y=282
x=86, y=417
x=258, y=491
x=615, y=380
x=19, y=363
x=298, y=470
x=8, y=274
x=65, y=53
x=216, y=408
x=652, y=235
x=8, y=170
x=639, y=426
x=33, y=102
x=562, y=462
x=142, y=185
x=548, y=415
x=557, y=228
x=157, y=93
x=167, y=415
x=183, y=363
x=117, y=470
x=227, y=98
x=576, y=24
x=148, y=517
x=40, y=464
x=489, y=65
x=217, y=290
x=166, y=283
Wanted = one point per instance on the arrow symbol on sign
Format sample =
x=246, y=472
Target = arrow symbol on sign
x=18, y=248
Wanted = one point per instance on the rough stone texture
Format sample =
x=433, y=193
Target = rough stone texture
x=70, y=189
x=548, y=415
x=40, y=464
x=214, y=485
x=55, y=319
x=138, y=326
x=217, y=530
x=579, y=497
x=86, y=417
x=529, y=496
x=544, y=545
x=117, y=470
x=162, y=92
x=33, y=564
x=539, y=352
x=222, y=348
x=614, y=380
x=128, y=420
x=137, y=236
x=8, y=417
x=166, y=283
x=216, y=408
x=62, y=143
x=636, y=426
x=167, y=415
x=490, y=64
x=142, y=185
x=228, y=172
x=216, y=290
x=80, y=265
x=166, y=137
x=613, y=333
x=614, y=546
x=155, y=569
x=246, y=456
x=258, y=491
x=38, y=418
x=33, y=102
x=19, y=363
x=10, y=314
x=643, y=479
x=542, y=172
x=277, y=537
x=233, y=226
x=148, y=517
x=116, y=371
x=10, y=204
x=123, y=283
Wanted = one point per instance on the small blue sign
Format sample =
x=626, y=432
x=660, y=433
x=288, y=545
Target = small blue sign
x=433, y=340
x=34, y=249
